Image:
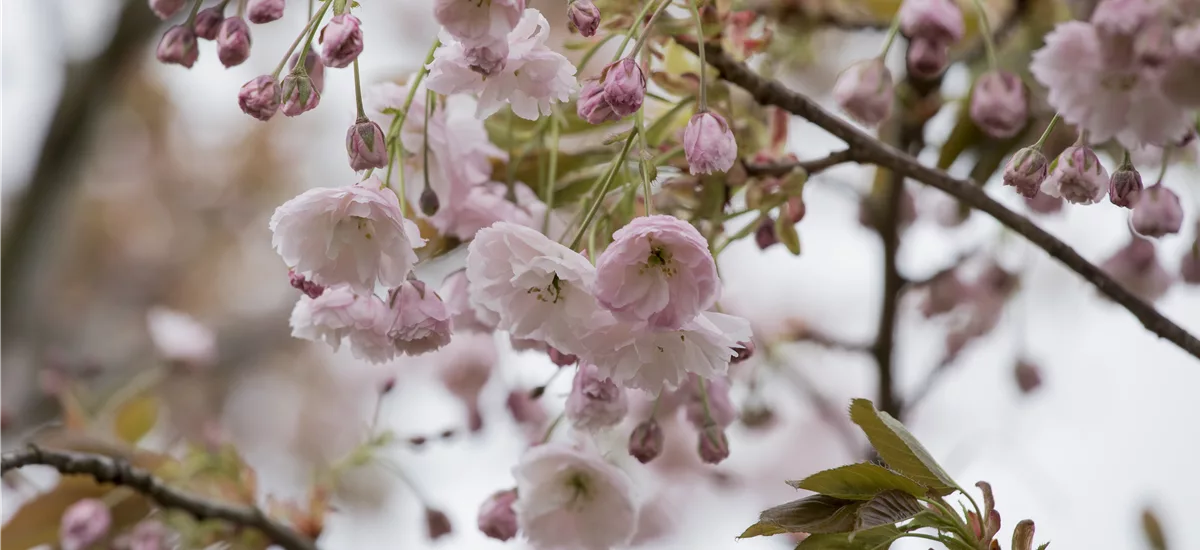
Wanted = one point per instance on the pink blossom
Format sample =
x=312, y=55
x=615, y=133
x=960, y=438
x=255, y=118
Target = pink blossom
x=1137, y=268
x=709, y=144
x=179, y=337
x=497, y=519
x=584, y=16
x=719, y=408
x=939, y=20
x=1189, y=264
x=1157, y=212
x=1181, y=81
x=233, y=41
x=264, y=11
x=1125, y=186
x=341, y=41
x=178, y=46
x=655, y=360
x=1078, y=177
x=646, y=441
x=999, y=105
x=354, y=235
x=208, y=22
x=165, y=9
x=1095, y=84
x=864, y=91
x=927, y=58
x=714, y=445
x=455, y=293
x=340, y=313
x=592, y=105
x=260, y=97
x=533, y=79
x=569, y=498
x=595, y=401
x=1115, y=17
x=488, y=203
x=84, y=523
x=420, y=321
x=658, y=269
x=478, y=22
x=1026, y=171
x=464, y=367
x=530, y=285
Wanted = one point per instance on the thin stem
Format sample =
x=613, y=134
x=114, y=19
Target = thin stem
x=700, y=51
x=192, y=16
x=430, y=99
x=394, y=145
x=312, y=23
x=647, y=194
x=550, y=428
x=893, y=30
x=310, y=8
x=1162, y=170
x=358, y=102
x=592, y=51
x=241, y=8
x=599, y=198
x=743, y=233
x=1126, y=162
x=552, y=171
x=633, y=27
x=646, y=30
x=985, y=28
x=391, y=466
x=1046, y=134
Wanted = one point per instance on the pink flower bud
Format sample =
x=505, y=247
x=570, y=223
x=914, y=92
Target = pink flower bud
x=561, y=359
x=164, y=9
x=1078, y=177
x=714, y=446
x=365, y=146
x=208, y=22
x=301, y=283
x=341, y=41
x=1136, y=267
x=1026, y=171
x=939, y=20
x=1189, y=264
x=624, y=86
x=585, y=16
x=146, y=535
x=765, y=236
x=646, y=441
x=1028, y=376
x=592, y=106
x=999, y=104
x=865, y=92
x=488, y=60
x=178, y=46
x=1124, y=186
x=497, y=519
x=525, y=409
x=260, y=97
x=299, y=94
x=945, y=292
x=595, y=402
x=429, y=202
x=233, y=41
x=264, y=11
x=1044, y=204
x=1157, y=212
x=84, y=523
x=927, y=58
x=437, y=524
x=708, y=144
x=716, y=392
x=312, y=66
x=745, y=351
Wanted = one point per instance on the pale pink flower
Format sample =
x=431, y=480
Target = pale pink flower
x=1157, y=212
x=420, y=321
x=354, y=235
x=84, y=523
x=464, y=366
x=569, y=498
x=475, y=22
x=496, y=518
x=709, y=144
x=1027, y=170
x=1095, y=84
x=939, y=20
x=341, y=40
x=533, y=79
x=1136, y=267
x=1078, y=177
x=488, y=203
x=1125, y=17
x=595, y=401
x=655, y=360
x=1181, y=81
x=533, y=287
x=179, y=337
x=720, y=409
x=865, y=92
x=658, y=269
x=999, y=105
x=455, y=294
x=340, y=313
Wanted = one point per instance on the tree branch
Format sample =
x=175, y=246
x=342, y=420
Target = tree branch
x=119, y=472
x=783, y=168
x=871, y=150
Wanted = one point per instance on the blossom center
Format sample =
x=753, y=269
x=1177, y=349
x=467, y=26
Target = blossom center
x=660, y=259
x=551, y=293
x=577, y=482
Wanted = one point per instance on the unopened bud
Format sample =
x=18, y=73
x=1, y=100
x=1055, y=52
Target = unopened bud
x=524, y=409
x=387, y=386
x=341, y=41
x=299, y=94
x=646, y=441
x=1000, y=104
x=585, y=16
x=259, y=98
x=264, y=11
x=595, y=402
x=708, y=405
x=233, y=41
x=743, y=351
x=497, y=519
x=208, y=22
x=945, y=292
x=865, y=92
x=765, y=236
x=313, y=67
x=592, y=106
x=1028, y=375
x=84, y=523
x=1044, y=204
x=714, y=446
x=437, y=524
x=429, y=202
x=1157, y=212
x=303, y=284
x=1022, y=538
x=1078, y=177
x=624, y=86
x=365, y=146
x=1026, y=171
x=488, y=60
x=178, y=46
x=927, y=58
x=708, y=144
x=165, y=9
x=940, y=20
x=1124, y=186
x=561, y=359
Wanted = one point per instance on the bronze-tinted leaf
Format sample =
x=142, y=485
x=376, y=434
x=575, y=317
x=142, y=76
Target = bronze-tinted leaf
x=878, y=538
x=814, y=514
x=899, y=448
x=887, y=508
x=36, y=522
x=858, y=482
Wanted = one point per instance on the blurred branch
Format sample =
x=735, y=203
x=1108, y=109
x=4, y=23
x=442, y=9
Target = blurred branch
x=118, y=472
x=85, y=91
x=770, y=92
x=782, y=168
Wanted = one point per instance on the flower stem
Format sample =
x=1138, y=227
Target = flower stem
x=647, y=193
x=985, y=28
x=191, y=20
x=394, y=146
x=893, y=30
x=552, y=172
x=646, y=31
x=362, y=114
x=1162, y=171
x=633, y=27
x=430, y=99
x=600, y=193
x=593, y=50
x=550, y=428
x=1046, y=134
x=312, y=24
x=700, y=51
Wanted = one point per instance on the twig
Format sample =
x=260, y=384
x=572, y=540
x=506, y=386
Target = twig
x=119, y=472
x=770, y=92
x=775, y=169
x=885, y=337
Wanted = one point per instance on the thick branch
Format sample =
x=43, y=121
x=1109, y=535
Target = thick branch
x=871, y=150
x=783, y=168
x=118, y=472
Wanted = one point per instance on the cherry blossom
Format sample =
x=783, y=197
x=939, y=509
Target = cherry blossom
x=340, y=313
x=421, y=322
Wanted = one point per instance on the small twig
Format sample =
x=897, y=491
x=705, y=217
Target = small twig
x=119, y=472
x=770, y=92
x=775, y=169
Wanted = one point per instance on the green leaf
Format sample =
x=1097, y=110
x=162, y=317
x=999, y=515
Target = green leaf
x=36, y=522
x=785, y=231
x=899, y=448
x=887, y=508
x=761, y=529
x=1043, y=546
x=858, y=482
x=931, y=519
x=878, y=538
x=814, y=514
x=135, y=418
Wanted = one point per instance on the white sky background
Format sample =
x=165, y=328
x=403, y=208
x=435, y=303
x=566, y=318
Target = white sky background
x=1114, y=427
